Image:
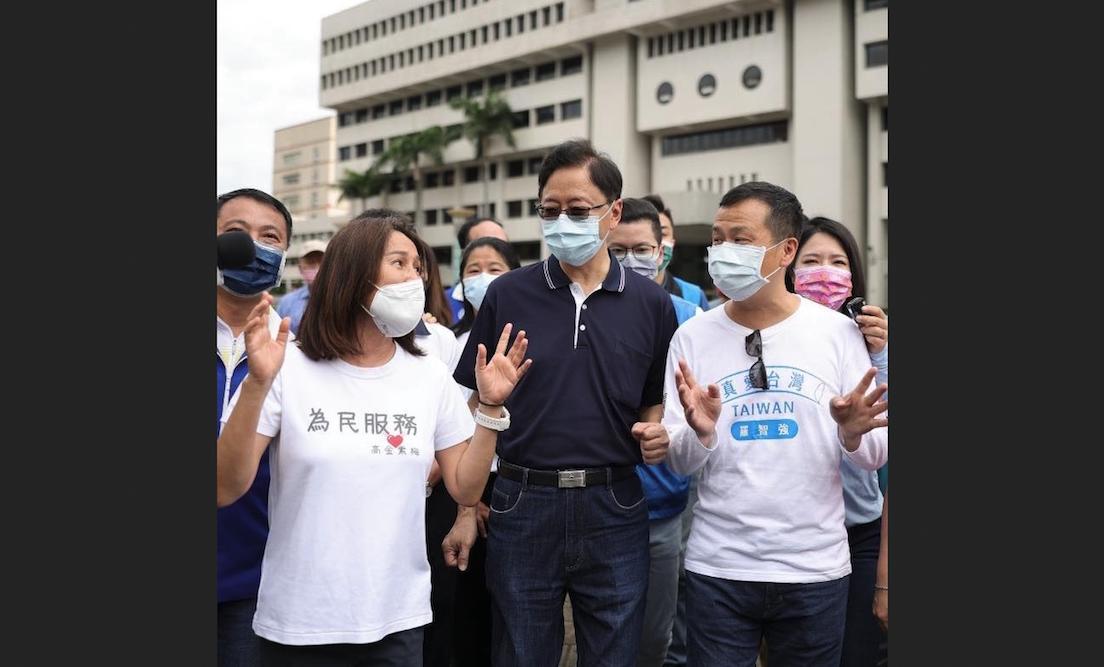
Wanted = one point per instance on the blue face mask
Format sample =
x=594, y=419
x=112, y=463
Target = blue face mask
x=573, y=242
x=263, y=273
x=474, y=288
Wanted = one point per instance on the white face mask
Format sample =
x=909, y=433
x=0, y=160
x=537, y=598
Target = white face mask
x=645, y=267
x=397, y=308
x=574, y=242
x=736, y=268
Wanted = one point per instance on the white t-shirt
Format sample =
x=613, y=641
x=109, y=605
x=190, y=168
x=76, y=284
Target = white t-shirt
x=440, y=343
x=345, y=560
x=770, y=503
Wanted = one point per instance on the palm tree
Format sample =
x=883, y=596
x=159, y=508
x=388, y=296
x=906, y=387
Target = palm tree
x=362, y=185
x=405, y=154
x=482, y=122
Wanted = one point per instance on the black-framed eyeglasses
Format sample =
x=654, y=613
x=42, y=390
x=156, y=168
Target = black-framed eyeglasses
x=753, y=345
x=642, y=252
x=576, y=213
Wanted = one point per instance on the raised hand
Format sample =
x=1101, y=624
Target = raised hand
x=266, y=355
x=874, y=325
x=702, y=406
x=856, y=411
x=496, y=378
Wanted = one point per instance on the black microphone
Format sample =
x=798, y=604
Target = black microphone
x=235, y=250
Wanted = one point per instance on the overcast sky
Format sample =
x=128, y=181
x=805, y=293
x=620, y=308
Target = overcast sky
x=268, y=53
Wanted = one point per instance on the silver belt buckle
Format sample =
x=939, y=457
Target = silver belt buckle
x=571, y=478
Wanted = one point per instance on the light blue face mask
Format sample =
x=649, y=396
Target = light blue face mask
x=735, y=268
x=474, y=288
x=574, y=242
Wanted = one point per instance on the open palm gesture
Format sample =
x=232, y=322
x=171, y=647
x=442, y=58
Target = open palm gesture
x=496, y=378
x=856, y=412
x=266, y=355
x=701, y=405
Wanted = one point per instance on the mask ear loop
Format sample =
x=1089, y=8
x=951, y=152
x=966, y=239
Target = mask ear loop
x=767, y=277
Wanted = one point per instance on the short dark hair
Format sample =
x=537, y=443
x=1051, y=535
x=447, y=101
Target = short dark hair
x=345, y=281
x=785, y=217
x=259, y=196
x=657, y=201
x=850, y=248
x=578, y=153
x=509, y=255
x=641, y=210
x=465, y=229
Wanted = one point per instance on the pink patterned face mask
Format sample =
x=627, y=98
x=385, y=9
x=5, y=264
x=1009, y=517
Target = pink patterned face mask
x=827, y=285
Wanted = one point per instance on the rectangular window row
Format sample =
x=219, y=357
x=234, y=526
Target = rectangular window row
x=711, y=33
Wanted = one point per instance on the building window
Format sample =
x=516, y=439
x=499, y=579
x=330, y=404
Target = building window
x=448, y=177
x=475, y=88
x=681, y=40
x=885, y=119
x=519, y=77
x=343, y=153
x=520, y=23
x=453, y=92
x=521, y=119
x=395, y=108
x=432, y=179
x=770, y=20
x=291, y=158
x=758, y=23
x=665, y=92
x=362, y=115
x=546, y=71
x=877, y=54
x=545, y=114
x=472, y=174
x=707, y=85
x=690, y=39
x=651, y=47
x=345, y=119
x=535, y=164
x=752, y=76
x=452, y=43
x=493, y=176
x=362, y=150
x=414, y=103
x=572, y=109
x=497, y=82
x=433, y=98
x=875, y=4
x=712, y=33
x=724, y=138
x=379, y=111
x=509, y=24
x=559, y=12
x=513, y=209
x=463, y=38
x=747, y=25
x=533, y=20
x=515, y=169
x=291, y=179
x=377, y=146
x=495, y=31
x=574, y=65
x=486, y=31
x=885, y=174
x=546, y=16
x=431, y=216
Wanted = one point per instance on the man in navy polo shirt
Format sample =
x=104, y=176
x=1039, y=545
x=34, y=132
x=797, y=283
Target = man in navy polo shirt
x=243, y=526
x=568, y=514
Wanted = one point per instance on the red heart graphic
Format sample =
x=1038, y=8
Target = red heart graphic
x=394, y=440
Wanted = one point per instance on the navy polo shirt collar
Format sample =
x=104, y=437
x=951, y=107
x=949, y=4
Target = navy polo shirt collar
x=556, y=278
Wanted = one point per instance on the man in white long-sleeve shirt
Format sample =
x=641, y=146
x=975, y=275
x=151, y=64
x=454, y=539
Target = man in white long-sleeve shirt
x=782, y=397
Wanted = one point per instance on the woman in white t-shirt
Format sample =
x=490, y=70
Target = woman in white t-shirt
x=353, y=414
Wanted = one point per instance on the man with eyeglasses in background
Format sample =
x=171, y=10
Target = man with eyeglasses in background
x=568, y=513
x=636, y=244
x=772, y=392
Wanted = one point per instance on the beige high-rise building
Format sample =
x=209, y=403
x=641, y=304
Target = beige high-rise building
x=303, y=174
x=689, y=98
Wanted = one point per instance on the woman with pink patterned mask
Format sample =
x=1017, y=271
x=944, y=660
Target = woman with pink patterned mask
x=829, y=271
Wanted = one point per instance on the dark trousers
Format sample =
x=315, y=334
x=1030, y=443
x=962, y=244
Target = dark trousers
x=471, y=635
x=864, y=643
x=398, y=649
x=440, y=516
x=727, y=620
x=237, y=645
x=547, y=542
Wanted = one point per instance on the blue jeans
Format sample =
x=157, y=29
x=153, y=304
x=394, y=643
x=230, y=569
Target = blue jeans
x=237, y=645
x=665, y=538
x=726, y=620
x=545, y=542
x=864, y=643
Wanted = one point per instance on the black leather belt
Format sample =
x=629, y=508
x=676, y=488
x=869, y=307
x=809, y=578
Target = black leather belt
x=564, y=479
